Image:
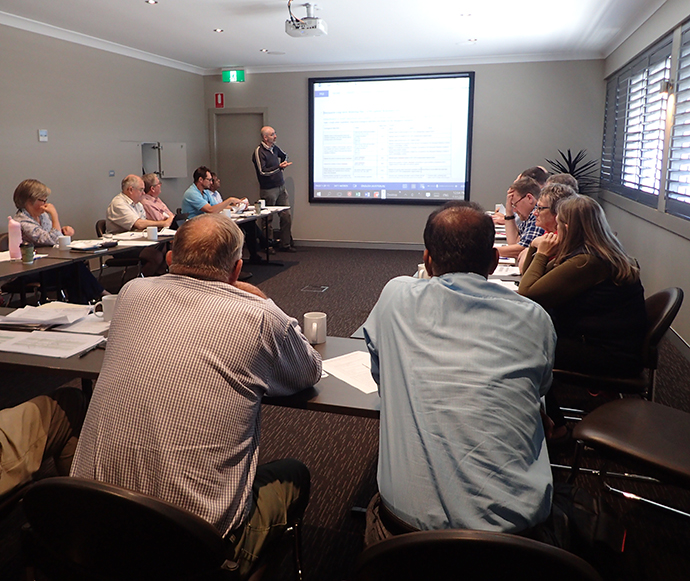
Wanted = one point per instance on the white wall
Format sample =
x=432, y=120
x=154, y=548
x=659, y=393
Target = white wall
x=660, y=242
x=523, y=113
x=95, y=105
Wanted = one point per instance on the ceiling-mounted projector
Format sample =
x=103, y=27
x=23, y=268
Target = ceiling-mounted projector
x=307, y=26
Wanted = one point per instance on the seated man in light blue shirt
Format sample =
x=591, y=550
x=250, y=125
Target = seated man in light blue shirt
x=197, y=199
x=461, y=365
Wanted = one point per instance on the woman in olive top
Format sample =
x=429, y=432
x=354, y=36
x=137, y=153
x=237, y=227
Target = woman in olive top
x=592, y=290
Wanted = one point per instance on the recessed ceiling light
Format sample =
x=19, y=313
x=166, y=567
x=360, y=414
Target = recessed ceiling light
x=473, y=40
x=151, y=1
x=263, y=50
x=217, y=30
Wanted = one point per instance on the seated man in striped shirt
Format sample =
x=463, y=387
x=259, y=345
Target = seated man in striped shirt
x=181, y=421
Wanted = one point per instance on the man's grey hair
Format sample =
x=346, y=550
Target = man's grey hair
x=131, y=181
x=564, y=178
x=207, y=247
x=150, y=180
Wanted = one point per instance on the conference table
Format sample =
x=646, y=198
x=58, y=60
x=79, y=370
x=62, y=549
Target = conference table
x=10, y=269
x=53, y=257
x=330, y=394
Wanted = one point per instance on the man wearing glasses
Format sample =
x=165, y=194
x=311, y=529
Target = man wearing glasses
x=197, y=199
x=521, y=201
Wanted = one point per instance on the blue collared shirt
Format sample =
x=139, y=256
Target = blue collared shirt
x=461, y=365
x=193, y=200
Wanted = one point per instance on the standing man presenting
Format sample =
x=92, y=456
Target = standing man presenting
x=269, y=162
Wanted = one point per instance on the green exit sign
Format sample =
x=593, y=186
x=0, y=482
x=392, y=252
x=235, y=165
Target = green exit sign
x=233, y=76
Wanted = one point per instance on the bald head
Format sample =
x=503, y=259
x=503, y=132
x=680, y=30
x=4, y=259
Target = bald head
x=207, y=247
x=268, y=135
x=459, y=237
x=133, y=187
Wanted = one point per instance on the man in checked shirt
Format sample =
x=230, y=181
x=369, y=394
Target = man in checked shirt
x=181, y=421
x=521, y=200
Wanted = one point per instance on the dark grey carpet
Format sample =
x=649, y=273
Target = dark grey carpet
x=341, y=451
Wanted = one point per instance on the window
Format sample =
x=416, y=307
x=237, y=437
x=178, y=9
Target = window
x=634, y=125
x=678, y=196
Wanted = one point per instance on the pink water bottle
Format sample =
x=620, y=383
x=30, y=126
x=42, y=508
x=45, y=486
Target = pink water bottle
x=14, y=237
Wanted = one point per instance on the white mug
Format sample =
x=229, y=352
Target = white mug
x=107, y=304
x=263, y=204
x=315, y=327
x=152, y=233
x=64, y=242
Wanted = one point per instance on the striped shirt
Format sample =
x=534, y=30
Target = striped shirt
x=175, y=412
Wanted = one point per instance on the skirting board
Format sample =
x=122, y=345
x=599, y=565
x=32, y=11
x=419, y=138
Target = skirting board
x=361, y=244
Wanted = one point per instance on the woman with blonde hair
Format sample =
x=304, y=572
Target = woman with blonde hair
x=592, y=290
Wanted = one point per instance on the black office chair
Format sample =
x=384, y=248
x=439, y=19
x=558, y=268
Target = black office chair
x=646, y=436
x=179, y=219
x=662, y=308
x=85, y=530
x=470, y=556
x=124, y=262
x=10, y=500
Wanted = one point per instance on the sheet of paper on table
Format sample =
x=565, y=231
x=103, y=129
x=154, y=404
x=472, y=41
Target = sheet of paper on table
x=91, y=325
x=132, y=235
x=506, y=270
x=144, y=242
x=51, y=313
x=167, y=232
x=353, y=368
x=49, y=343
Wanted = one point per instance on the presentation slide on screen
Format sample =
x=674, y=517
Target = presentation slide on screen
x=402, y=139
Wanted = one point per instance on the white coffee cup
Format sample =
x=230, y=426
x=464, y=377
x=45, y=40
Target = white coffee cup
x=421, y=271
x=64, y=242
x=315, y=327
x=107, y=304
x=263, y=204
x=152, y=233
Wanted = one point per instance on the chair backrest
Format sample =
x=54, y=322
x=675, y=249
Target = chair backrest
x=100, y=228
x=468, y=555
x=93, y=530
x=179, y=219
x=662, y=308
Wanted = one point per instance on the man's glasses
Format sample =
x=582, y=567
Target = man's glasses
x=541, y=208
x=515, y=203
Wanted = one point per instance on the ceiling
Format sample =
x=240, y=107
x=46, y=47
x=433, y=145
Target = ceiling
x=364, y=33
